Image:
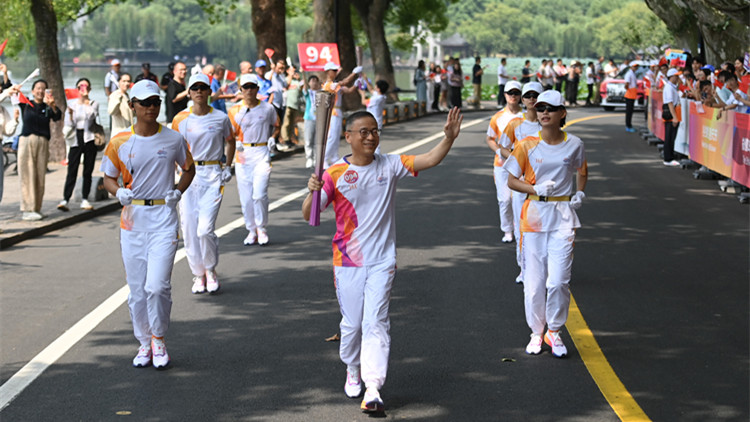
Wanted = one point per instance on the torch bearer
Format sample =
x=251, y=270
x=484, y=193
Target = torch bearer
x=324, y=102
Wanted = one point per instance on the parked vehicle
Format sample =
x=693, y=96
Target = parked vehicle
x=613, y=90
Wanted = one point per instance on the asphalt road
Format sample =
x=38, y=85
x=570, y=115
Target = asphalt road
x=660, y=276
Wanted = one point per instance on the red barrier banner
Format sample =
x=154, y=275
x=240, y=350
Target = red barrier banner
x=655, y=123
x=711, y=139
x=741, y=149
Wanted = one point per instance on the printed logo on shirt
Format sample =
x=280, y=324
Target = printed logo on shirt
x=382, y=180
x=351, y=176
x=161, y=153
x=566, y=160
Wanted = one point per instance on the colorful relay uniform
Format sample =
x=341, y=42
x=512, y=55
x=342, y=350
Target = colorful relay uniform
x=364, y=202
x=206, y=137
x=497, y=127
x=518, y=129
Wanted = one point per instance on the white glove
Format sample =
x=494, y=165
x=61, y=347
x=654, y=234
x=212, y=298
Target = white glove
x=173, y=197
x=577, y=200
x=357, y=69
x=125, y=196
x=271, y=143
x=544, y=188
x=226, y=174
x=499, y=153
x=238, y=146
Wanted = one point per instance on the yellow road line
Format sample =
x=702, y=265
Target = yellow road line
x=583, y=119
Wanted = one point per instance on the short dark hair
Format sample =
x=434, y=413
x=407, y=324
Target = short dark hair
x=124, y=74
x=503, y=60
x=730, y=76
x=313, y=77
x=382, y=86
x=39, y=81
x=83, y=80
x=358, y=115
x=724, y=74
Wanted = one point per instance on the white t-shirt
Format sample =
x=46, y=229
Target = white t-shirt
x=741, y=107
x=376, y=106
x=252, y=126
x=519, y=132
x=205, y=136
x=671, y=94
x=501, y=79
x=147, y=165
x=497, y=127
x=364, y=202
x=630, y=79
x=590, y=76
x=537, y=161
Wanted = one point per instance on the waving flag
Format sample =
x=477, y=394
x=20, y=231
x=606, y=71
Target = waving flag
x=2, y=46
x=71, y=93
x=23, y=100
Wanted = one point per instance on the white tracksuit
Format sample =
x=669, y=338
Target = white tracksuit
x=335, y=125
x=495, y=131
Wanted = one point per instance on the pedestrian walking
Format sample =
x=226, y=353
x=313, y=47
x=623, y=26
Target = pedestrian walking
x=502, y=79
x=8, y=126
x=219, y=95
x=590, y=81
x=671, y=115
x=118, y=106
x=364, y=246
x=292, y=110
x=209, y=134
x=311, y=87
x=111, y=78
x=526, y=72
x=455, y=83
x=631, y=94
x=177, y=93
x=345, y=86
x=548, y=164
x=79, y=118
x=420, y=82
x=256, y=126
x=477, y=71
x=146, y=73
x=145, y=158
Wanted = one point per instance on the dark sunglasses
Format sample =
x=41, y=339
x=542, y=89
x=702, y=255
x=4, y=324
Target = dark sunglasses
x=514, y=93
x=150, y=102
x=548, y=108
x=530, y=95
x=249, y=86
x=199, y=87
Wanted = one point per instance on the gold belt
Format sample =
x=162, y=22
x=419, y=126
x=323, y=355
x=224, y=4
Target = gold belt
x=548, y=198
x=148, y=202
x=207, y=163
x=260, y=144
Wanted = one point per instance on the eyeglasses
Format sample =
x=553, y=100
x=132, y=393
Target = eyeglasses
x=548, y=108
x=514, y=93
x=150, y=102
x=249, y=86
x=529, y=95
x=364, y=132
x=199, y=87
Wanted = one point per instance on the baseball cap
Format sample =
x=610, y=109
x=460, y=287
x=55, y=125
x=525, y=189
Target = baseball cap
x=143, y=89
x=249, y=78
x=261, y=63
x=331, y=66
x=199, y=78
x=709, y=67
x=672, y=72
x=532, y=86
x=551, y=97
x=512, y=85
x=114, y=62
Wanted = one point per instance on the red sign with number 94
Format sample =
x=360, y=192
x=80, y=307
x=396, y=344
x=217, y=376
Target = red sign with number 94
x=313, y=56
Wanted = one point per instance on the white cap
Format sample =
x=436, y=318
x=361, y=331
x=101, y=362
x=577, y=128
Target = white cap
x=249, y=78
x=145, y=88
x=115, y=62
x=672, y=72
x=510, y=86
x=551, y=97
x=199, y=78
x=532, y=86
x=331, y=66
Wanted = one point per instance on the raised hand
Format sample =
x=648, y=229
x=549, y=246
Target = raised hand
x=453, y=123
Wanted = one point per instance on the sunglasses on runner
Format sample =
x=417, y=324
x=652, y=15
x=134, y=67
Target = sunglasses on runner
x=364, y=132
x=529, y=95
x=548, y=108
x=249, y=86
x=514, y=93
x=150, y=102
x=199, y=87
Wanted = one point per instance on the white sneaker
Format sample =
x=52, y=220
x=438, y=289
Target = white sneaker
x=353, y=386
x=212, y=283
x=31, y=216
x=250, y=239
x=159, y=350
x=535, y=345
x=508, y=238
x=262, y=237
x=85, y=205
x=553, y=339
x=199, y=286
x=673, y=163
x=63, y=206
x=309, y=163
x=372, y=402
x=143, y=358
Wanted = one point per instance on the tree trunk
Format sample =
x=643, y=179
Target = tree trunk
x=45, y=23
x=269, y=26
x=372, y=14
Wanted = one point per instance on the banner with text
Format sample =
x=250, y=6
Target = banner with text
x=741, y=149
x=711, y=139
x=313, y=56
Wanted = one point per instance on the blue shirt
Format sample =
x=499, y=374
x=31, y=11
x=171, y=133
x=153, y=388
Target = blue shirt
x=218, y=104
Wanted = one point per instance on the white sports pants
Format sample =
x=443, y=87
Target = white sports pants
x=332, y=142
x=252, y=184
x=148, y=258
x=503, y=200
x=547, y=256
x=364, y=295
x=199, y=208
x=517, y=199
x=310, y=126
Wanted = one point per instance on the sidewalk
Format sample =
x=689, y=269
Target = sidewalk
x=15, y=230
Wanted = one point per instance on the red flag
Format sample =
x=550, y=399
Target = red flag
x=745, y=83
x=231, y=76
x=22, y=99
x=2, y=46
x=71, y=93
x=269, y=52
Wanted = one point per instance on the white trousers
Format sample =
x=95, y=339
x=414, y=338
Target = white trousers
x=332, y=142
x=364, y=295
x=517, y=199
x=148, y=258
x=310, y=126
x=547, y=263
x=252, y=184
x=199, y=208
x=503, y=200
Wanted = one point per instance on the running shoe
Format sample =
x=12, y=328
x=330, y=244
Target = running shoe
x=508, y=238
x=63, y=206
x=535, y=345
x=160, y=355
x=199, y=286
x=250, y=239
x=85, y=205
x=31, y=216
x=143, y=358
x=212, y=283
x=353, y=386
x=673, y=163
x=372, y=403
x=262, y=237
x=553, y=339
x=630, y=129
